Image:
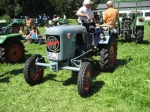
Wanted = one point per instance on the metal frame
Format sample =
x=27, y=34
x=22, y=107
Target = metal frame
x=53, y=65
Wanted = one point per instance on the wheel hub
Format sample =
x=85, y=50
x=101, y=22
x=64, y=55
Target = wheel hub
x=88, y=80
x=112, y=55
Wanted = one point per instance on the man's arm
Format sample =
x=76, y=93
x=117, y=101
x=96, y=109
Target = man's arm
x=83, y=15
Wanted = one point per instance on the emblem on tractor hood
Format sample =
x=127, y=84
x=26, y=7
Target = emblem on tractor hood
x=53, y=43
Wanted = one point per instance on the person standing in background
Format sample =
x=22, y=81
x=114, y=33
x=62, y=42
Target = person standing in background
x=111, y=15
x=29, y=24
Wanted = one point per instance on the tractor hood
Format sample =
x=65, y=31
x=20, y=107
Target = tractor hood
x=72, y=29
x=61, y=41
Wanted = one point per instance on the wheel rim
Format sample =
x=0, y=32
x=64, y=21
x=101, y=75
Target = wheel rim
x=112, y=54
x=35, y=72
x=15, y=52
x=88, y=79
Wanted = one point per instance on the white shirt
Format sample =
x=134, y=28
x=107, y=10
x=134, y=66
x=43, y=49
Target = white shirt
x=84, y=10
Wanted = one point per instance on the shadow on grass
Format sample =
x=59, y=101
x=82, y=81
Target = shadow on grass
x=49, y=77
x=5, y=79
x=146, y=42
x=14, y=72
x=126, y=40
x=74, y=75
x=72, y=79
x=96, y=87
x=122, y=62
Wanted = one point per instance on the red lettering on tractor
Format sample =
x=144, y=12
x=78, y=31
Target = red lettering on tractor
x=51, y=43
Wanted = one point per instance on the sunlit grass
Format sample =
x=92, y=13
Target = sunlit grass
x=127, y=89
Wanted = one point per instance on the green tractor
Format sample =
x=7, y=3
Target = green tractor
x=11, y=47
x=133, y=24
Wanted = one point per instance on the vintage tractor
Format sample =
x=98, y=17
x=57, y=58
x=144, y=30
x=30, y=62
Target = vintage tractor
x=133, y=24
x=70, y=47
x=11, y=48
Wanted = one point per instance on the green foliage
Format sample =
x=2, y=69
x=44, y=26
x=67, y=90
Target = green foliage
x=6, y=17
x=34, y=8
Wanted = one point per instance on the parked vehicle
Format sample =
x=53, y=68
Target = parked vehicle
x=39, y=22
x=11, y=48
x=70, y=47
x=133, y=24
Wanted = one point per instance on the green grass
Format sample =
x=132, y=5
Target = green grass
x=127, y=89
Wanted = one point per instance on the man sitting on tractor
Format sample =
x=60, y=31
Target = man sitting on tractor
x=85, y=14
x=111, y=15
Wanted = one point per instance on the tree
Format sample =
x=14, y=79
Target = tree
x=34, y=8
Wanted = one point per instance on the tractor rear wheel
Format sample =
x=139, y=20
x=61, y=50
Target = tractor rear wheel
x=85, y=78
x=139, y=35
x=13, y=51
x=108, y=55
x=33, y=73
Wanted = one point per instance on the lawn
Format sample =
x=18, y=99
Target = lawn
x=127, y=89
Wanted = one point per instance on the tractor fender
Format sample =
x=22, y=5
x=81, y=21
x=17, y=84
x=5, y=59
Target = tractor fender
x=107, y=38
x=4, y=38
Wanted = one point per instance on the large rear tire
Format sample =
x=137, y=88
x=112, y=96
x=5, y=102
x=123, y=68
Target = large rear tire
x=33, y=73
x=139, y=35
x=85, y=78
x=13, y=51
x=108, y=55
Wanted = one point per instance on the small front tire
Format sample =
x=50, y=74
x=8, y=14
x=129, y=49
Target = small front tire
x=33, y=73
x=85, y=78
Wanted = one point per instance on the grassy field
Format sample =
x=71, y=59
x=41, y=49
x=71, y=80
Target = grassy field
x=127, y=89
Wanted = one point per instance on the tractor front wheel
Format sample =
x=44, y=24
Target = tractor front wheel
x=33, y=73
x=85, y=78
x=108, y=55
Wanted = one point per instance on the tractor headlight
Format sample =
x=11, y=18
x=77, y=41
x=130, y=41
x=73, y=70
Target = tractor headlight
x=69, y=35
x=141, y=19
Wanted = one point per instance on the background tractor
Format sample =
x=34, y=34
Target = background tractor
x=11, y=48
x=132, y=25
x=70, y=47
